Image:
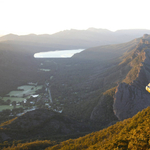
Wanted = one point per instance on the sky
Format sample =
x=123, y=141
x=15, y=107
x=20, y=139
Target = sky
x=50, y=16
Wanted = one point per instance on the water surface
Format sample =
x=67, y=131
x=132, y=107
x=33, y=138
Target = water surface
x=58, y=53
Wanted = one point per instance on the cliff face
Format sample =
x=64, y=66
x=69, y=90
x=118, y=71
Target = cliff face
x=103, y=112
x=129, y=100
x=131, y=96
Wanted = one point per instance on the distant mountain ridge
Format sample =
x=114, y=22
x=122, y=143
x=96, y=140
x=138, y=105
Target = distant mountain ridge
x=79, y=38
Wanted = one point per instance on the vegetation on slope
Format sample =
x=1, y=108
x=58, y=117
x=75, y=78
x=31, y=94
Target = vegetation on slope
x=108, y=103
x=35, y=145
x=103, y=115
x=132, y=133
x=136, y=64
x=42, y=124
x=135, y=59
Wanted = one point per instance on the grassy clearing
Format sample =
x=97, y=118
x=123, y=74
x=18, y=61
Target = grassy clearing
x=29, y=87
x=3, y=107
x=17, y=99
x=27, y=90
x=44, y=69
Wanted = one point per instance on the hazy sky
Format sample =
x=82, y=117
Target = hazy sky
x=50, y=16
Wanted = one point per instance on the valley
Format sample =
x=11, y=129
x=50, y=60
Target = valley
x=61, y=98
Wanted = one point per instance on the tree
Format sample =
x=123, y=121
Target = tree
x=14, y=104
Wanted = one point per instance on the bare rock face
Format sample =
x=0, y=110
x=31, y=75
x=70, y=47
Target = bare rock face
x=103, y=112
x=131, y=98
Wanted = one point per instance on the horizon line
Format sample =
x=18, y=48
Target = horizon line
x=11, y=33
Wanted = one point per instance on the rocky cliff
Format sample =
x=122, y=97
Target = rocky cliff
x=131, y=96
x=103, y=111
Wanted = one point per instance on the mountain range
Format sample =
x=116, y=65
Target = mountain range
x=70, y=39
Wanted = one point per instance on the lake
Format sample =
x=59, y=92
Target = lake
x=58, y=53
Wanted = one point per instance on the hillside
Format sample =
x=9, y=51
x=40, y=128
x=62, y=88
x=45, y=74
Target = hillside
x=107, y=52
x=131, y=95
x=132, y=133
x=18, y=66
x=42, y=123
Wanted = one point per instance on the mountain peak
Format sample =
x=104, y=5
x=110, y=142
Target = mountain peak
x=9, y=37
x=98, y=30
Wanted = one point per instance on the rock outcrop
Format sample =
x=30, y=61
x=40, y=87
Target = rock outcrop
x=131, y=96
x=129, y=100
x=103, y=112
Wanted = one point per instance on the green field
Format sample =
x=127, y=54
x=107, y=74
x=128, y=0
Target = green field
x=27, y=90
x=3, y=107
x=28, y=87
x=45, y=69
x=17, y=99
